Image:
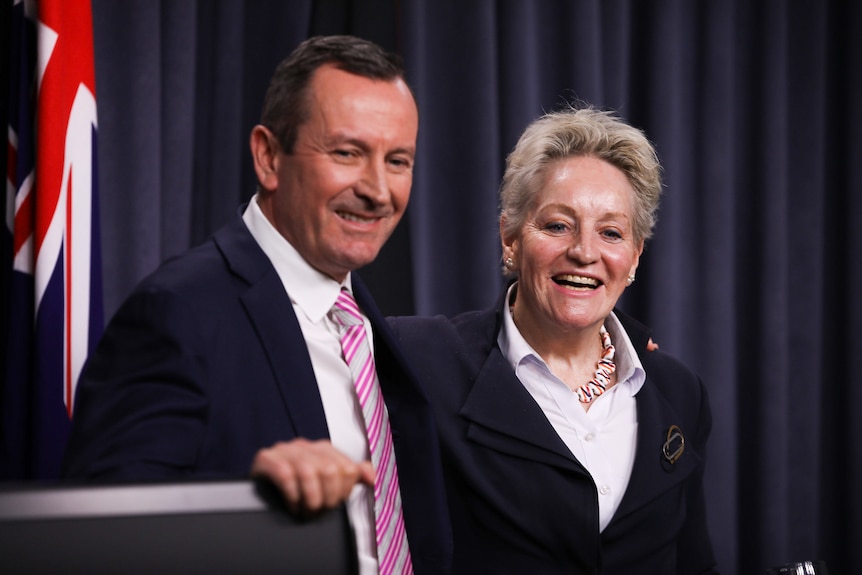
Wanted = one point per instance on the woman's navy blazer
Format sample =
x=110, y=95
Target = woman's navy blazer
x=520, y=501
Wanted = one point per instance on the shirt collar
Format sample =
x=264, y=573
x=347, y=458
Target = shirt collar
x=630, y=371
x=313, y=292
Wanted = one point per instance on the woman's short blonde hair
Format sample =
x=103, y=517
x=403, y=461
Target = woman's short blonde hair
x=580, y=132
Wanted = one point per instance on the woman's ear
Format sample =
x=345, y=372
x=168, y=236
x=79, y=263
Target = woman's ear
x=640, y=251
x=505, y=245
x=509, y=246
x=264, y=153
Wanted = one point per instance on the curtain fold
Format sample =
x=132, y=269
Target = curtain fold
x=752, y=276
x=452, y=64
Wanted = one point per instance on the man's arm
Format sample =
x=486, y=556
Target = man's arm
x=140, y=407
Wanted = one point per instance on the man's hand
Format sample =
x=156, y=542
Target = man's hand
x=312, y=475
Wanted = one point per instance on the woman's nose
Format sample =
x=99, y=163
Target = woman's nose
x=583, y=248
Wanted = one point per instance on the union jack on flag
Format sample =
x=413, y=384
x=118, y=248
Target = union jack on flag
x=52, y=278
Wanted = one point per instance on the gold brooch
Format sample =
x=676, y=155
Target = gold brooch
x=674, y=447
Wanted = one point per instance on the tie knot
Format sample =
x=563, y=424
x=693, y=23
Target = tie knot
x=345, y=311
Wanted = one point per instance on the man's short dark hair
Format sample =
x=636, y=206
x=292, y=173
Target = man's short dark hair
x=285, y=107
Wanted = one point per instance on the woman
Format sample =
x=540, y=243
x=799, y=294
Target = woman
x=572, y=444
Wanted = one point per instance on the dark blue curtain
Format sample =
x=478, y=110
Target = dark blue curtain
x=751, y=278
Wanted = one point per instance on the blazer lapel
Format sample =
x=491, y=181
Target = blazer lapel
x=505, y=417
x=270, y=311
x=652, y=473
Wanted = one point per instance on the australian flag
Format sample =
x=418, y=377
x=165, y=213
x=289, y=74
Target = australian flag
x=52, y=288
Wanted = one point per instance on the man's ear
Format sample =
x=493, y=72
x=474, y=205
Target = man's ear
x=264, y=153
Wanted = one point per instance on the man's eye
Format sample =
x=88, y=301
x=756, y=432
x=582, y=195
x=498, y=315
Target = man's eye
x=400, y=163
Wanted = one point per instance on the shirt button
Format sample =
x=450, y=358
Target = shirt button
x=605, y=489
x=590, y=436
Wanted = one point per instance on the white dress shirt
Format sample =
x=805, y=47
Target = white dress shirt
x=313, y=294
x=603, y=439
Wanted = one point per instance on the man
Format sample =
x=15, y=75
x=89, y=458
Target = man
x=227, y=359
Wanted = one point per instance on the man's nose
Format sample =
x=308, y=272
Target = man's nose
x=375, y=183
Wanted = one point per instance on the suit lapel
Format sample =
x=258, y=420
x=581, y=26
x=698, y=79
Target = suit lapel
x=286, y=349
x=652, y=473
x=505, y=417
x=270, y=311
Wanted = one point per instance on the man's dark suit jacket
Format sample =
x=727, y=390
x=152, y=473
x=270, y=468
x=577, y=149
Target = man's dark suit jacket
x=205, y=364
x=520, y=502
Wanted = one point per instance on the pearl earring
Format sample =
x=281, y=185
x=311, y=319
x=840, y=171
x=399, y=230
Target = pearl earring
x=630, y=280
x=509, y=263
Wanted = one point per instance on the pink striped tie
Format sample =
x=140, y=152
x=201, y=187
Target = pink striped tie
x=393, y=553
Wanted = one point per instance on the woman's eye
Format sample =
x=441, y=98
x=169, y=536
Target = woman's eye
x=556, y=227
x=613, y=234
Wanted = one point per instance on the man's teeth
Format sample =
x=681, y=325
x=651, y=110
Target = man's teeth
x=355, y=218
x=577, y=281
